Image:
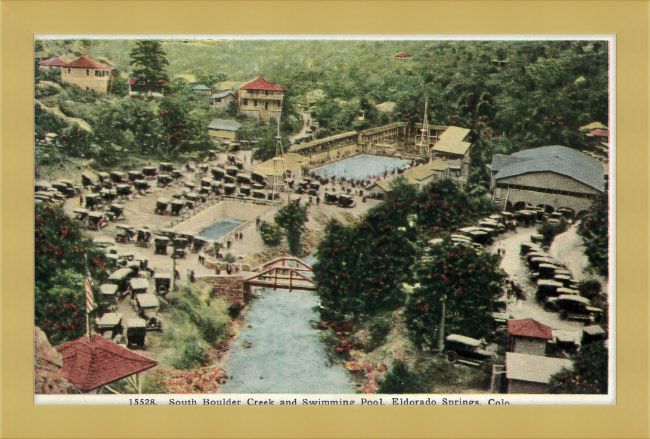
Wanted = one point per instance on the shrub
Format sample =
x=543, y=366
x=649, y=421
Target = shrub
x=228, y=257
x=399, y=379
x=550, y=231
x=235, y=310
x=379, y=329
x=191, y=357
x=589, y=288
x=270, y=233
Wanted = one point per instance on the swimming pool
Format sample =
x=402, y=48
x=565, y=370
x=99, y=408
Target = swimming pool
x=361, y=167
x=220, y=228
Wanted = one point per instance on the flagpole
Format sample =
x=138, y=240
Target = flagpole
x=87, y=310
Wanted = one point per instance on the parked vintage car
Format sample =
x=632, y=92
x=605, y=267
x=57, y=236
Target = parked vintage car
x=466, y=350
x=109, y=325
x=160, y=244
x=148, y=307
x=107, y=298
x=163, y=283
x=136, y=332
x=574, y=308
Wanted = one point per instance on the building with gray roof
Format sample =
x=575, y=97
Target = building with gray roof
x=224, y=129
x=553, y=176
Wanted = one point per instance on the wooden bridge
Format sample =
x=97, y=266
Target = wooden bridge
x=284, y=273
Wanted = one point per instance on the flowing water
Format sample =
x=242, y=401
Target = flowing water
x=280, y=351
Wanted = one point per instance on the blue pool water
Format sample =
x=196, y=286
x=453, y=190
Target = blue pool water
x=219, y=229
x=361, y=167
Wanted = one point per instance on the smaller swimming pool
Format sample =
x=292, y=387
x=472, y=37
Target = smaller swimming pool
x=220, y=228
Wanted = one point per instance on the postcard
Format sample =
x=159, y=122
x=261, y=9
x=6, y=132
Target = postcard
x=319, y=220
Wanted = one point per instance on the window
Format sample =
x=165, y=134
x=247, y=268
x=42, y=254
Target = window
x=87, y=72
x=68, y=71
x=245, y=101
x=255, y=102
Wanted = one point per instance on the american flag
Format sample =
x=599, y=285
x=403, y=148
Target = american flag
x=90, y=301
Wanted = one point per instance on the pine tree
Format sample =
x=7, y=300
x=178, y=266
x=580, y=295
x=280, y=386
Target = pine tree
x=149, y=61
x=292, y=219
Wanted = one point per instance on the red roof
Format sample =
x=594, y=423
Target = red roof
x=530, y=328
x=261, y=84
x=600, y=133
x=85, y=63
x=89, y=366
x=52, y=62
x=132, y=81
x=402, y=55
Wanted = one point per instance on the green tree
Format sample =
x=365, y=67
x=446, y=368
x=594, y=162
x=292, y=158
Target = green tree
x=292, y=219
x=270, y=233
x=459, y=283
x=60, y=251
x=149, y=62
x=594, y=229
x=361, y=267
x=589, y=375
x=400, y=380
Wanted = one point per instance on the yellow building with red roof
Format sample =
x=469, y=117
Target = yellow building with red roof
x=261, y=99
x=87, y=74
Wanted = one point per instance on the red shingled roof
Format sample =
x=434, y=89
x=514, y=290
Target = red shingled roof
x=261, y=84
x=402, y=55
x=89, y=366
x=600, y=133
x=132, y=81
x=52, y=62
x=529, y=328
x=85, y=63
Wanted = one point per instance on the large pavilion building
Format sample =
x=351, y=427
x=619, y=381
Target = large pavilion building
x=553, y=176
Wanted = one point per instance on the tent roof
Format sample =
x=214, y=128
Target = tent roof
x=261, y=84
x=89, y=366
x=86, y=63
x=225, y=125
x=530, y=328
x=291, y=162
x=452, y=141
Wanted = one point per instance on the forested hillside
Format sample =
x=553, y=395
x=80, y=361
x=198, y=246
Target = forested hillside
x=539, y=96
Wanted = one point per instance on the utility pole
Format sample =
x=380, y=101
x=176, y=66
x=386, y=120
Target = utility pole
x=174, y=270
x=426, y=133
x=278, y=164
x=441, y=330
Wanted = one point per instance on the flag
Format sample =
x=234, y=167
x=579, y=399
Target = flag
x=90, y=301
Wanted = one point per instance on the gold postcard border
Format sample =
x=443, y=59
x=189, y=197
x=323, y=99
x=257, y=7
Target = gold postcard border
x=628, y=20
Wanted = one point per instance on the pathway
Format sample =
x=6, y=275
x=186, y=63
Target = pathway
x=516, y=268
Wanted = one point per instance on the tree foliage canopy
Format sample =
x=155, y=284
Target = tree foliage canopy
x=468, y=281
x=292, y=219
x=149, y=63
x=594, y=229
x=60, y=260
x=589, y=375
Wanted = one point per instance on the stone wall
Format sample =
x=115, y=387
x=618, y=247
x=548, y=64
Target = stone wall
x=228, y=288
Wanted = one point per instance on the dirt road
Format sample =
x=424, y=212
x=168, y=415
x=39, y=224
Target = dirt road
x=516, y=268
